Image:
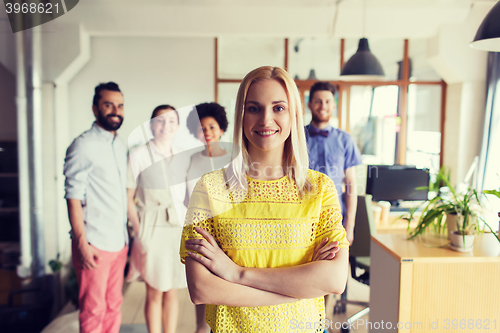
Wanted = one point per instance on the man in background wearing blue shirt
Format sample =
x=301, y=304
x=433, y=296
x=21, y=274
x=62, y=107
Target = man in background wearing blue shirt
x=333, y=151
x=96, y=194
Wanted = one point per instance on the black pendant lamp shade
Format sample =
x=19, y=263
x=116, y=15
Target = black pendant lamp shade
x=312, y=75
x=488, y=34
x=363, y=65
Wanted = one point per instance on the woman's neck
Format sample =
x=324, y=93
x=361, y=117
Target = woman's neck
x=163, y=146
x=266, y=165
x=215, y=149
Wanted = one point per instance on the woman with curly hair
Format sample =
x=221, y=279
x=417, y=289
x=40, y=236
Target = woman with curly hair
x=207, y=122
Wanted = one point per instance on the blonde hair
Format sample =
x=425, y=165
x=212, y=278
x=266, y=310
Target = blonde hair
x=295, y=157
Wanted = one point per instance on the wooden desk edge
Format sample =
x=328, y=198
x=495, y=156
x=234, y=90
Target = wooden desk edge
x=453, y=258
x=388, y=250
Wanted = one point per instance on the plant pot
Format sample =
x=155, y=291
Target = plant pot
x=454, y=222
x=462, y=243
x=489, y=244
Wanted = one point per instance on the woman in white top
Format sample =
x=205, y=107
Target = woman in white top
x=207, y=122
x=157, y=223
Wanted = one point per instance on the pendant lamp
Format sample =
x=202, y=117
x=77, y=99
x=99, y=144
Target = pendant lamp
x=312, y=75
x=488, y=34
x=312, y=72
x=363, y=65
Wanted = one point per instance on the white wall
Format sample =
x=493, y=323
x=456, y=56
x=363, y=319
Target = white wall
x=51, y=200
x=150, y=71
x=463, y=126
x=60, y=46
x=464, y=69
x=239, y=55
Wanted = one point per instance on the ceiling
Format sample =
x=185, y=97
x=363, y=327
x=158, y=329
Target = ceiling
x=383, y=21
x=278, y=18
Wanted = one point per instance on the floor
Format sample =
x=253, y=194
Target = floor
x=133, y=311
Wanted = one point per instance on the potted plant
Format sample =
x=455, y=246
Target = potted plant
x=433, y=217
x=465, y=217
x=457, y=212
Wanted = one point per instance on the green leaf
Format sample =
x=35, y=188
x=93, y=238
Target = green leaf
x=55, y=265
x=460, y=204
x=493, y=192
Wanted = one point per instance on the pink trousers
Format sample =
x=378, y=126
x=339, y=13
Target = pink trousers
x=100, y=297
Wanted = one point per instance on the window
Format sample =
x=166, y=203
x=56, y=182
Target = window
x=397, y=121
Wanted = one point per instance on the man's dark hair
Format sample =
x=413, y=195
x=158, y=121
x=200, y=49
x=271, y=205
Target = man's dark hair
x=104, y=86
x=319, y=86
x=206, y=110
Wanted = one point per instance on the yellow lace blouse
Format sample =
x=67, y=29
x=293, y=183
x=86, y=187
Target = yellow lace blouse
x=270, y=226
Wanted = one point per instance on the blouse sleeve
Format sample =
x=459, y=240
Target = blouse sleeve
x=330, y=220
x=199, y=215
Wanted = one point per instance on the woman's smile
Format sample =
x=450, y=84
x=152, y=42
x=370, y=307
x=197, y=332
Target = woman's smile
x=267, y=133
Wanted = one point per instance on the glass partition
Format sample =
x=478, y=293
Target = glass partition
x=240, y=55
x=227, y=98
x=319, y=53
x=421, y=69
x=373, y=122
x=369, y=111
x=424, y=126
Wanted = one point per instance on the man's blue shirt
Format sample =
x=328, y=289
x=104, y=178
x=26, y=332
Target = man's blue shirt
x=96, y=174
x=332, y=155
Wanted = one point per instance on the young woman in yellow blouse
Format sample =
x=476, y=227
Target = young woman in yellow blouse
x=261, y=237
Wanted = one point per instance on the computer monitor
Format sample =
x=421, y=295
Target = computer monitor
x=396, y=183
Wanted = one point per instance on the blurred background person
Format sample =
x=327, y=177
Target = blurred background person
x=333, y=151
x=95, y=169
x=156, y=219
x=207, y=122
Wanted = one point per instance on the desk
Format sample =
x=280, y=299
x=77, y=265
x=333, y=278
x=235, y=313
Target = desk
x=417, y=285
x=396, y=225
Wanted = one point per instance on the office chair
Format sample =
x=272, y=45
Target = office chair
x=359, y=256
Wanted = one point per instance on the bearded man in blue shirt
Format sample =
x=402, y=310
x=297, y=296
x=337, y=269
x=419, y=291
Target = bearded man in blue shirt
x=333, y=151
x=95, y=169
